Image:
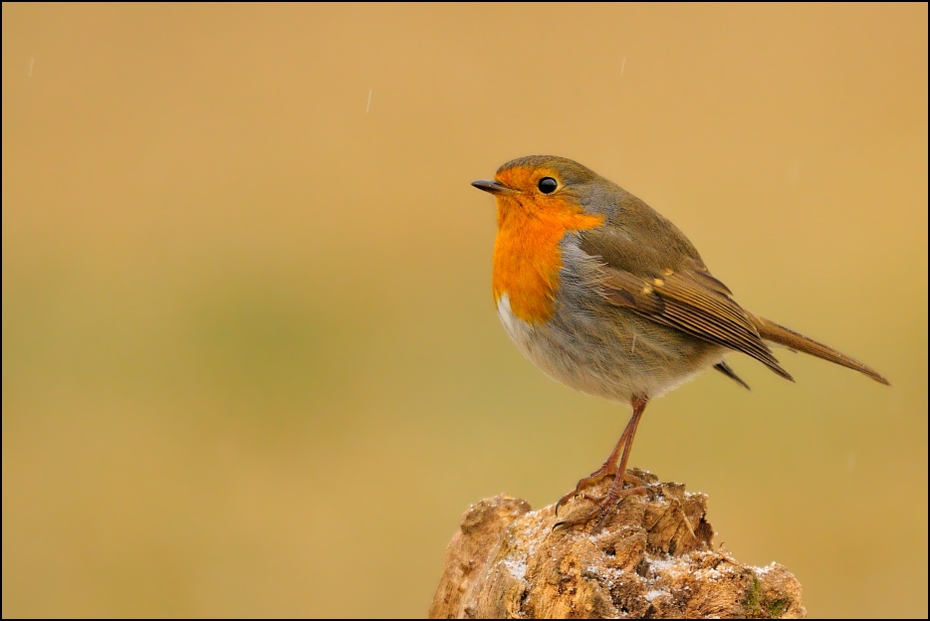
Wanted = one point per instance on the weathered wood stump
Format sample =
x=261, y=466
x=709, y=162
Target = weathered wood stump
x=653, y=558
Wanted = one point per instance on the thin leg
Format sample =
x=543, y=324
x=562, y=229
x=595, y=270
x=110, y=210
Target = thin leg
x=608, y=468
x=625, y=444
x=639, y=406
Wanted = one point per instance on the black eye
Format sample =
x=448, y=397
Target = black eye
x=547, y=185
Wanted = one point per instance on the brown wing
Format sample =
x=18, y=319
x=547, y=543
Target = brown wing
x=667, y=282
x=689, y=301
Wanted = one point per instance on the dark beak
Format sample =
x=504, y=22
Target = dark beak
x=494, y=187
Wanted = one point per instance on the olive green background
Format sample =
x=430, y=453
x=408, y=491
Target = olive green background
x=251, y=363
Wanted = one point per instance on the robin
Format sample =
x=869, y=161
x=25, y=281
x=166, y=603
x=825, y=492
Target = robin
x=607, y=296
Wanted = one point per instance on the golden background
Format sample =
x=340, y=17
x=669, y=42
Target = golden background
x=251, y=364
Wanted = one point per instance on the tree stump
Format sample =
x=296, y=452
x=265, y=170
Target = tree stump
x=652, y=558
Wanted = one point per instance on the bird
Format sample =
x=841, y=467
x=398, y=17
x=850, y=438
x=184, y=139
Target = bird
x=610, y=298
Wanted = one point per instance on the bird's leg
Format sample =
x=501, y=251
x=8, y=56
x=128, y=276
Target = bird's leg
x=625, y=444
x=608, y=468
x=639, y=406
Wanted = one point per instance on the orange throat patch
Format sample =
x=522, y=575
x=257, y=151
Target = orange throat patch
x=527, y=257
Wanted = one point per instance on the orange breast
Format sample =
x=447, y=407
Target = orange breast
x=527, y=258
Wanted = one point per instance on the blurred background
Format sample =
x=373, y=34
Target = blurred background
x=251, y=363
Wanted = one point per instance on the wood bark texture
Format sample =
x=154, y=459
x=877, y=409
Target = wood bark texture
x=653, y=557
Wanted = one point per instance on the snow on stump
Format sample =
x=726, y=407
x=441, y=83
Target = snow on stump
x=652, y=558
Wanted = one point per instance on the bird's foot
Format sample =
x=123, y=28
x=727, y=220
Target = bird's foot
x=603, y=504
x=591, y=479
x=596, y=477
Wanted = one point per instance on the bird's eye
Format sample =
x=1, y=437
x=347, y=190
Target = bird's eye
x=547, y=185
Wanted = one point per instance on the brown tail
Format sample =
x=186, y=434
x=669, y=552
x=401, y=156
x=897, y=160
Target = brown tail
x=771, y=331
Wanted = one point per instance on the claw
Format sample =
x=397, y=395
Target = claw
x=592, y=479
x=603, y=505
x=604, y=471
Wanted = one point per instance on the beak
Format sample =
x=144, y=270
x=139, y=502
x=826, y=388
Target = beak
x=494, y=187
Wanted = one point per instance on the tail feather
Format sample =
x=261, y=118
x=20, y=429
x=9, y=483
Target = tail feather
x=771, y=331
